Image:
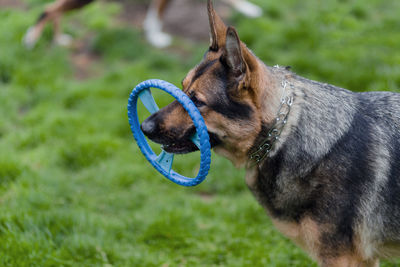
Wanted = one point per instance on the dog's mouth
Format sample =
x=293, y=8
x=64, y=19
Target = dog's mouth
x=180, y=147
x=175, y=140
x=185, y=145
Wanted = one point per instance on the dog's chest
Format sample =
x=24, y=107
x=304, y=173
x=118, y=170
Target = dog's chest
x=283, y=197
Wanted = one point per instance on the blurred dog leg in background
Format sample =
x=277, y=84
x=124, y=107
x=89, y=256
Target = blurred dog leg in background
x=52, y=14
x=246, y=8
x=152, y=24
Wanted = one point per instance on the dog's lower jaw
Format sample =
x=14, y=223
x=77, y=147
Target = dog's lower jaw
x=180, y=149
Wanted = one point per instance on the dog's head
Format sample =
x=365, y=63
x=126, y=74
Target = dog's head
x=223, y=87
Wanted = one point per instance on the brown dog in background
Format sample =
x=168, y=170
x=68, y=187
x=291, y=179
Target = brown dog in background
x=152, y=24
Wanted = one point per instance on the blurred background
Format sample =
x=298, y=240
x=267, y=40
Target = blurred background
x=75, y=189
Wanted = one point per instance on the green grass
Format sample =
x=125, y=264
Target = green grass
x=74, y=188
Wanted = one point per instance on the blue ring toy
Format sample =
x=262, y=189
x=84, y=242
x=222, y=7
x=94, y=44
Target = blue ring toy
x=163, y=162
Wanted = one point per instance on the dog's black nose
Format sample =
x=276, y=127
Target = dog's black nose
x=149, y=128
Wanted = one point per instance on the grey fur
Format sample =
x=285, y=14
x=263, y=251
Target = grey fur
x=313, y=170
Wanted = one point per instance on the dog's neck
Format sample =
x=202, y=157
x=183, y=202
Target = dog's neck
x=276, y=103
x=270, y=134
x=300, y=140
x=271, y=92
x=266, y=84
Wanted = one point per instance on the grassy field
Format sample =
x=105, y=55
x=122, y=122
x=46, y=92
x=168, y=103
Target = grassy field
x=74, y=188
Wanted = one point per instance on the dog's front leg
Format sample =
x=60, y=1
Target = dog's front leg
x=60, y=38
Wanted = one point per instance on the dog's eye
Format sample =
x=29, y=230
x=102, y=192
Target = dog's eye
x=197, y=102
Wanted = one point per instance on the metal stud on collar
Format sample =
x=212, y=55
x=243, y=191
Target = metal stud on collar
x=274, y=133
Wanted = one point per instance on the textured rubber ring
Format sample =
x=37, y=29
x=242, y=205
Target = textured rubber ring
x=194, y=113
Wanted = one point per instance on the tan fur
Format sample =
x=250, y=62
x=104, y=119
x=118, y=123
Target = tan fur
x=217, y=28
x=237, y=138
x=387, y=251
x=178, y=118
x=251, y=177
x=349, y=261
x=161, y=6
x=305, y=234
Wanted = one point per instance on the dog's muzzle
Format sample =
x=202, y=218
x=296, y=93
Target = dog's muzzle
x=169, y=140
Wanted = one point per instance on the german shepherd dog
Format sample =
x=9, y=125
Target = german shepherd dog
x=152, y=24
x=323, y=161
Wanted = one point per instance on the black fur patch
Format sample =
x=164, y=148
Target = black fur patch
x=202, y=68
x=344, y=189
x=231, y=108
x=221, y=99
x=41, y=17
x=81, y=3
x=392, y=192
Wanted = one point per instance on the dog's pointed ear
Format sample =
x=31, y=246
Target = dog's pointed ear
x=233, y=52
x=217, y=28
